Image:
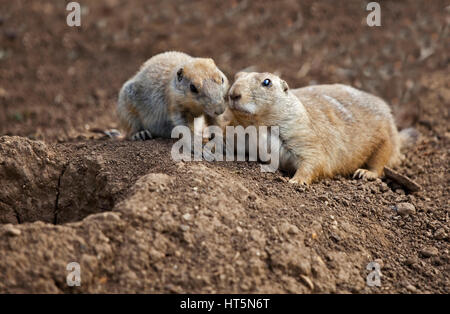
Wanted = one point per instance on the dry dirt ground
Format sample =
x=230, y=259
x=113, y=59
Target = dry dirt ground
x=138, y=222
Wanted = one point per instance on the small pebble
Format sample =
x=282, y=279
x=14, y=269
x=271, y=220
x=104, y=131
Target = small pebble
x=11, y=230
x=404, y=209
x=307, y=281
x=384, y=187
x=187, y=216
x=429, y=251
x=440, y=234
x=335, y=237
x=287, y=228
x=411, y=288
x=184, y=227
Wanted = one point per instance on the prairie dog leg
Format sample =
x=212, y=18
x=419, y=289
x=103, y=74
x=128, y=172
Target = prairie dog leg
x=304, y=175
x=376, y=162
x=365, y=174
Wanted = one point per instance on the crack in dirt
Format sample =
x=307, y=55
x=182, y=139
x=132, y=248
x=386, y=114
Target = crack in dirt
x=16, y=213
x=55, y=220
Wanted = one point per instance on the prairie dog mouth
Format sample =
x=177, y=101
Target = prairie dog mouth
x=246, y=109
x=213, y=113
x=241, y=111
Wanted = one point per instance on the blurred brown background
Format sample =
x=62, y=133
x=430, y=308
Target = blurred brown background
x=58, y=82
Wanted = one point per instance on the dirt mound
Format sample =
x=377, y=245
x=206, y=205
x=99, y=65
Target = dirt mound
x=222, y=227
x=216, y=235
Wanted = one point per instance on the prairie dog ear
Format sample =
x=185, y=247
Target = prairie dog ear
x=284, y=86
x=239, y=74
x=180, y=74
x=211, y=61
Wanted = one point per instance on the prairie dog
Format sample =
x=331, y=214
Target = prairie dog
x=171, y=89
x=325, y=130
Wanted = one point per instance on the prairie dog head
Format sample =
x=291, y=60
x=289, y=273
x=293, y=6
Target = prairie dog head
x=200, y=87
x=257, y=95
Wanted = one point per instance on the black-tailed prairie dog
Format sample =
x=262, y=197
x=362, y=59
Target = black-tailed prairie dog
x=325, y=130
x=171, y=89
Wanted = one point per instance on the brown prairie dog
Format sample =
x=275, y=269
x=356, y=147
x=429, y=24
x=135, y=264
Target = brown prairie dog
x=325, y=130
x=171, y=89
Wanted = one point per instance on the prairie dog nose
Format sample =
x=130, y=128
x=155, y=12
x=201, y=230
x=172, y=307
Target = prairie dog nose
x=235, y=96
x=219, y=110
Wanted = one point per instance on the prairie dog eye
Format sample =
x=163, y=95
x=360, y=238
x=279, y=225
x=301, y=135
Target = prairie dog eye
x=267, y=83
x=223, y=81
x=193, y=89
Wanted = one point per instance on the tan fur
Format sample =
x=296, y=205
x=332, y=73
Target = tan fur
x=200, y=69
x=325, y=130
x=155, y=99
x=133, y=111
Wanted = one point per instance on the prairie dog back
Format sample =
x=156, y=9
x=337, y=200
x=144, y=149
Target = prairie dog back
x=352, y=123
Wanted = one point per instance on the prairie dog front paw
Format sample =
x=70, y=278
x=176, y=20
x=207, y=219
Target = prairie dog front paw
x=142, y=136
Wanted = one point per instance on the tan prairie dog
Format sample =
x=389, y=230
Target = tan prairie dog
x=171, y=89
x=325, y=130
